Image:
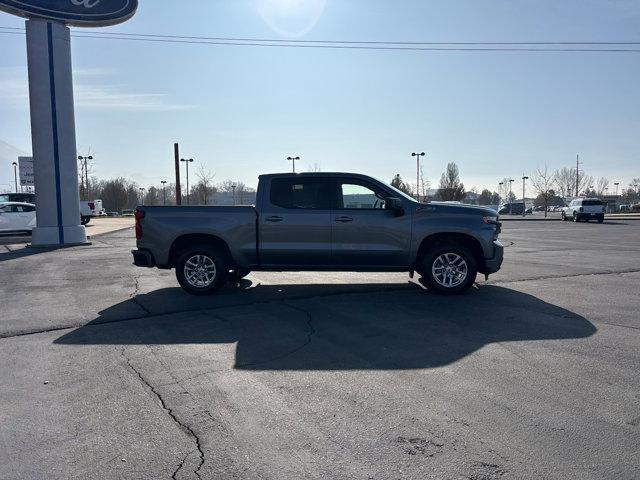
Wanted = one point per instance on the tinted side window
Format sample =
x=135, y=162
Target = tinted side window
x=302, y=193
x=28, y=208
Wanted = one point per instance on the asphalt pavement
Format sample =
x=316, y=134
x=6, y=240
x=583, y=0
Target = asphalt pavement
x=111, y=371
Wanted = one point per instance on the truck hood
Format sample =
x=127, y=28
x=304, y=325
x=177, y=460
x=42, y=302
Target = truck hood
x=456, y=209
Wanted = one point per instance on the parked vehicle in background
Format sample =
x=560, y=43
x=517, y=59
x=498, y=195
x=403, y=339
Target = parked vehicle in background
x=515, y=208
x=128, y=213
x=98, y=209
x=321, y=221
x=584, y=209
x=18, y=198
x=113, y=214
x=87, y=210
x=17, y=217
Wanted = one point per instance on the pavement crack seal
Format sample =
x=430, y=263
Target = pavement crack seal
x=169, y=411
x=134, y=295
x=311, y=331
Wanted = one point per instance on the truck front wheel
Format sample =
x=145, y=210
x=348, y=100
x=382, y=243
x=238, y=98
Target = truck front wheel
x=201, y=270
x=449, y=269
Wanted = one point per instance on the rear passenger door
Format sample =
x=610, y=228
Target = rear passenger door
x=295, y=221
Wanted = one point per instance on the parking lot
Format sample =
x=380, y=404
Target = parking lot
x=112, y=371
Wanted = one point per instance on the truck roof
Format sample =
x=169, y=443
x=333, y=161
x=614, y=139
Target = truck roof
x=314, y=174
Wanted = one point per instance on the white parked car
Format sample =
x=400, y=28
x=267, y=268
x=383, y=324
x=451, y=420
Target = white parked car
x=584, y=209
x=17, y=217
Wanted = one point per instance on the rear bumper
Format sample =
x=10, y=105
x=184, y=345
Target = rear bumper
x=143, y=258
x=492, y=265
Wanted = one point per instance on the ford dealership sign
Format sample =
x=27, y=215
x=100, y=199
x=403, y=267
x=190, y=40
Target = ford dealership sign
x=78, y=13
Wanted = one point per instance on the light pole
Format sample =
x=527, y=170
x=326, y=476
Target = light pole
x=616, y=184
x=500, y=185
x=15, y=174
x=418, y=155
x=293, y=159
x=511, y=180
x=233, y=188
x=187, y=161
x=85, y=180
x=141, y=196
x=164, y=192
x=524, y=205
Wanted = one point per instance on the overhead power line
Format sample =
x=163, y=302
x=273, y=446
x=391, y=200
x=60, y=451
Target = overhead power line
x=360, y=45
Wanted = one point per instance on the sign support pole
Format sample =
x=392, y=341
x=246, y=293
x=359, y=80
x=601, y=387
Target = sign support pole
x=53, y=135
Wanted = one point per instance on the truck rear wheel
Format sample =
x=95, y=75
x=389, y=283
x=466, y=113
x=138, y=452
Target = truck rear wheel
x=449, y=269
x=201, y=270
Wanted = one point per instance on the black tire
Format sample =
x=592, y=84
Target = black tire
x=576, y=219
x=600, y=219
x=237, y=274
x=85, y=220
x=436, y=284
x=208, y=256
x=564, y=217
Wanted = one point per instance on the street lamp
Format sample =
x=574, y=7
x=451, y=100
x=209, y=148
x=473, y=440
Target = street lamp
x=418, y=155
x=15, y=174
x=141, y=195
x=187, y=161
x=500, y=185
x=510, y=202
x=524, y=205
x=85, y=184
x=293, y=159
x=164, y=192
x=233, y=188
x=616, y=184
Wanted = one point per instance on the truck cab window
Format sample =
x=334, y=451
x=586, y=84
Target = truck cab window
x=301, y=193
x=358, y=196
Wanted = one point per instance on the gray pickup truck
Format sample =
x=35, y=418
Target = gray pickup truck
x=320, y=221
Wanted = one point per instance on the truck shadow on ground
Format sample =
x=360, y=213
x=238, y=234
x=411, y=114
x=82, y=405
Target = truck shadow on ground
x=390, y=326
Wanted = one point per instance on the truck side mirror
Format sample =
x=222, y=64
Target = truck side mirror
x=394, y=204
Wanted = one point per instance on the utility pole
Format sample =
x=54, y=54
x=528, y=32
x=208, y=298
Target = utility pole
x=418, y=155
x=164, y=192
x=15, y=174
x=187, y=161
x=85, y=174
x=176, y=154
x=293, y=159
x=524, y=205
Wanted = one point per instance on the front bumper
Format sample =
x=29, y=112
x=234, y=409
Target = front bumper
x=492, y=265
x=143, y=258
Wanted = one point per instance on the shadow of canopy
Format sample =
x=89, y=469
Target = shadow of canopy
x=371, y=328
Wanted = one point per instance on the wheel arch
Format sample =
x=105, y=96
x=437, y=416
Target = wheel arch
x=181, y=243
x=448, y=238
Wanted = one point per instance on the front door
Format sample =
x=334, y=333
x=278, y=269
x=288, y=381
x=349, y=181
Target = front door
x=364, y=232
x=295, y=222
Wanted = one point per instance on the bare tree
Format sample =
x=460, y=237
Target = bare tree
x=424, y=184
x=565, y=182
x=152, y=197
x=314, y=168
x=542, y=181
x=451, y=188
x=485, y=197
x=204, y=190
x=398, y=183
x=601, y=185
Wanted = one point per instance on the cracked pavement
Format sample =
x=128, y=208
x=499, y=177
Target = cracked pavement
x=110, y=371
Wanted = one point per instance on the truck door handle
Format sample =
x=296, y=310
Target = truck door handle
x=274, y=219
x=344, y=219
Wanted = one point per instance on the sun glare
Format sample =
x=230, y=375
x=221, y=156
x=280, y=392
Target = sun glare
x=291, y=18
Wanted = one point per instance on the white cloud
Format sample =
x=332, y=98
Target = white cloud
x=91, y=91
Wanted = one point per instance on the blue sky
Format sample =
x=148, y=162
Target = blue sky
x=243, y=110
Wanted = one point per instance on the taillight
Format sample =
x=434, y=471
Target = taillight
x=92, y=205
x=139, y=215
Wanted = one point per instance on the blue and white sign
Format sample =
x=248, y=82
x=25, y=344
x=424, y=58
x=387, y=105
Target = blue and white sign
x=77, y=13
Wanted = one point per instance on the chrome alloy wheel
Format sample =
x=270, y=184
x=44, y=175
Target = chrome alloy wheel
x=449, y=270
x=200, y=271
